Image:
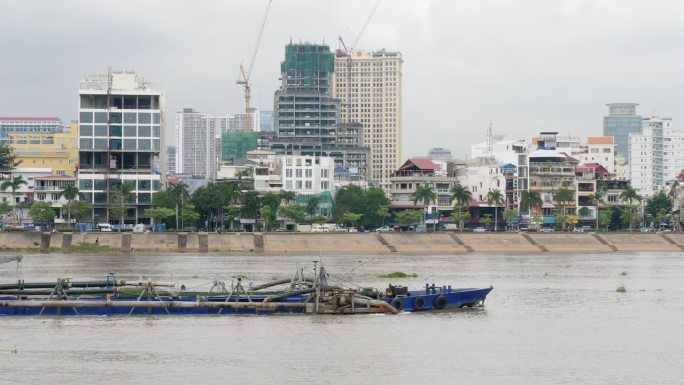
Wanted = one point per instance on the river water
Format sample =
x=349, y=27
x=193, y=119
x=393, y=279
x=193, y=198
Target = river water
x=551, y=319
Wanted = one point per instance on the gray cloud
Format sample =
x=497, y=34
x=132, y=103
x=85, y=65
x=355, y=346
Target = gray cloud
x=528, y=65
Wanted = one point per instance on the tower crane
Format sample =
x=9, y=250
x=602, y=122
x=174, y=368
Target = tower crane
x=349, y=50
x=243, y=79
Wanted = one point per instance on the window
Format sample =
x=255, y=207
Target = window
x=288, y=185
x=325, y=185
x=86, y=130
x=298, y=173
x=100, y=130
x=144, y=118
x=54, y=196
x=307, y=185
x=85, y=117
x=308, y=173
x=144, y=131
x=288, y=173
x=324, y=174
x=85, y=144
x=130, y=117
x=299, y=185
x=41, y=196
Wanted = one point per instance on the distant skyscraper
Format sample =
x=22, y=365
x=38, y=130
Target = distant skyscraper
x=240, y=121
x=170, y=160
x=621, y=121
x=195, y=147
x=28, y=125
x=121, y=122
x=266, y=121
x=372, y=96
x=439, y=153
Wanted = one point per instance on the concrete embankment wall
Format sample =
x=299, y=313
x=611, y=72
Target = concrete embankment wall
x=342, y=243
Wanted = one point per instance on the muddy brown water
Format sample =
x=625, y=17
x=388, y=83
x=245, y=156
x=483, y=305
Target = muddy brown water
x=551, y=319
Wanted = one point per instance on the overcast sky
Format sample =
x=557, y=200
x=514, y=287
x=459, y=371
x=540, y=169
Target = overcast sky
x=527, y=65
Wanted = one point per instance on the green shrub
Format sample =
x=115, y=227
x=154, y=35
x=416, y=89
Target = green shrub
x=398, y=274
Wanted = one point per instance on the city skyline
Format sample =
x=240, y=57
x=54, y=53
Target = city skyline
x=527, y=68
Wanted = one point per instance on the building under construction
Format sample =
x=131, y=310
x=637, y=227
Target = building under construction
x=121, y=121
x=306, y=114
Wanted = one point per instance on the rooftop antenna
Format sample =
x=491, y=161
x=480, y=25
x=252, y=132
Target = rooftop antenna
x=490, y=140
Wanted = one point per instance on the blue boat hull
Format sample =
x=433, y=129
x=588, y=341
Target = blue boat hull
x=426, y=300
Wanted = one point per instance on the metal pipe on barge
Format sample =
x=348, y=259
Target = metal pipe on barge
x=47, y=292
x=154, y=304
x=70, y=284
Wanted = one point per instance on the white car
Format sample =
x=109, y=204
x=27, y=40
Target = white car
x=106, y=227
x=384, y=229
x=479, y=229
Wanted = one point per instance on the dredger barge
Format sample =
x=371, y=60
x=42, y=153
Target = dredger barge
x=299, y=294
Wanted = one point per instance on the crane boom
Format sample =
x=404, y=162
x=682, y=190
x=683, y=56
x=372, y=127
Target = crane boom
x=245, y=75
x=363, y=29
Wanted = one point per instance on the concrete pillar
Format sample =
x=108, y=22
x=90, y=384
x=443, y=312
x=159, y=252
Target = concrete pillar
x=126, y=242
x=203, y=242
x=182, y=242
x=258, y=243
x=66, y=240
x=45, y=242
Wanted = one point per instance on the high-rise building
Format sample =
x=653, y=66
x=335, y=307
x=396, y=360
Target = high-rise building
x=28, y=125
x=656, y=156
x=369, y=86
x=621, y=121
x=195, y=147
x=240, y=121
x=121, y=126
x=307, y=116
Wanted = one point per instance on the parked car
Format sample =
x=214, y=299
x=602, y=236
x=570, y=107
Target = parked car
x=479, y=229
x=139, y=228
x=106, y=227
x=384, y=229
x=352, y=230
x=546, y=230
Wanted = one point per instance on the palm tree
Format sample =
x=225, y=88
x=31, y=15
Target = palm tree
x=70, y=193
x=529, y=199
x=424, y=193
x=564, y=196
x=494, y=197
x=596, y=198
x=13, y=183
x=462, y=196
x=629, y=195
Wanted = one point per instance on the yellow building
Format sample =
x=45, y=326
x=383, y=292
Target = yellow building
x=58, y=151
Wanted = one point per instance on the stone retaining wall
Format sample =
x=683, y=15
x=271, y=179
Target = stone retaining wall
x=343, y=243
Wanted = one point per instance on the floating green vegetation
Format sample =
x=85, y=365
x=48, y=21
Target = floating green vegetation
x=623, y=273
x=398, y=274
x=90, y=247
x=621, y=289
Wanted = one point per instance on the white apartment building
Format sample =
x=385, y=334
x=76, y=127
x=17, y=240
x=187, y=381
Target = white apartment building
x=195, y=144
x=369, y=87
x=307, y=174
x=656, y=156
x=599, y=149
x=121, y=125
x=41, y=186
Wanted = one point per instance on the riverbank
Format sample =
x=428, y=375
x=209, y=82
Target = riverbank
x=339, y=243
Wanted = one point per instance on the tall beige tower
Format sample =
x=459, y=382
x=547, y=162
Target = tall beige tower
x=372, y=97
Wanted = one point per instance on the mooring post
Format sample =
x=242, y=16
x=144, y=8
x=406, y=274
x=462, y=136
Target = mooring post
x=45, y=242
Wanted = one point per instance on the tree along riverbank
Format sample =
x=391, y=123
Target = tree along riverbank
x=339, y=243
